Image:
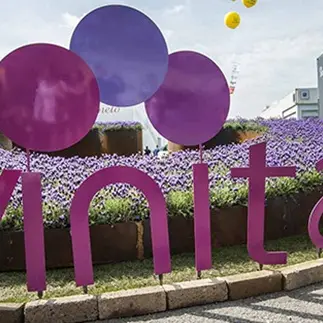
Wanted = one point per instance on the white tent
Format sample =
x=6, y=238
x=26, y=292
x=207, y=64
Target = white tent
x=151, y=137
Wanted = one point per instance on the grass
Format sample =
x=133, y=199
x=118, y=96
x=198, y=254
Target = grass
x=128, y=275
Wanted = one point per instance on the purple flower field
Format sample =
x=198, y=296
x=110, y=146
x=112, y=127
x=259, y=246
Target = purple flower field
x=289, y=142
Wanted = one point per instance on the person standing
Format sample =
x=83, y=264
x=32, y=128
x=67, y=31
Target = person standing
x=147, y=151
x=156, y=151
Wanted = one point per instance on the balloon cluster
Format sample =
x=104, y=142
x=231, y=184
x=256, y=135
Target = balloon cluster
x=232, y=18
x=50, y=96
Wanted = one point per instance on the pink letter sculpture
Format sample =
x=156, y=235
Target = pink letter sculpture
x=257, y=173
x=315, y=217
x=34, y=232
x=8, y=181
x=202, y=227
x=80, y=226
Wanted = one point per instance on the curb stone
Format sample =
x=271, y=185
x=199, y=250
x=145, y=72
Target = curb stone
x=134, y=302
x=301, y=275
x=253, y=284
x=73, y=309
x=11, y=313
x=149, y=300
x=196, y=292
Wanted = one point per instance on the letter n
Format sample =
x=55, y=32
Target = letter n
x=80, y=225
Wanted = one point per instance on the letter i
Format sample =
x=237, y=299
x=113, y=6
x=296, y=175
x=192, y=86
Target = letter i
x=202, y=226
x=34, y=232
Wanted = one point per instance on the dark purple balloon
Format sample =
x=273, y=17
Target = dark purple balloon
x=193, y=103
x=126, y=51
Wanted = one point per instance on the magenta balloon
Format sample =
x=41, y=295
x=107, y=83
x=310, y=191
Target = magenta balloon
x=193, y=103
x=49, y=97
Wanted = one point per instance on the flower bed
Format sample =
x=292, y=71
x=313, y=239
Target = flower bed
x=121, y=138
x=110, y=244
x=290, y=142
x=89, y=146
x=130, y=241
x=289, y=201
x=233, y=132
x=118, y=126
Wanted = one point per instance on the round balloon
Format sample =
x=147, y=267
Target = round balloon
x=193, y=103
x=49, y=97
x=126, y=51
x=249, y=3
x=232, y=20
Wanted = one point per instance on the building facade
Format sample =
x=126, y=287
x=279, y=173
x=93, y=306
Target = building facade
x=319, y=64
x=302, y=103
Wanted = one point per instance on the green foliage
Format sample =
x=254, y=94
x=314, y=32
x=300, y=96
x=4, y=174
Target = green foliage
x=231, y=131
x=116, y=210
x=118, y=126
x=180, y=204
x=108, y=210
x=244, y=126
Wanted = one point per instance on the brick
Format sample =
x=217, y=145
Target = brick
x=73, y=309
x=197, y=292
x=301, y=275
x=11, y=313
x=132, y=302
x=253, y=284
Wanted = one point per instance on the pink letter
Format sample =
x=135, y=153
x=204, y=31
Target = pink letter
x=257, y=173
x=315, y=217
x=202, y=227
x=8, y=181
x=34, y=232
x=80, y=225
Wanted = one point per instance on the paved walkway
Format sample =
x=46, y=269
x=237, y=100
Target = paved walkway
x=301, y=306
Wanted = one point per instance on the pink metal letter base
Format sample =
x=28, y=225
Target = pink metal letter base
x=202, y=227
x=34, y=232
x=257, y=173
x=8, y=181
x=315, y=217
x=80, y=225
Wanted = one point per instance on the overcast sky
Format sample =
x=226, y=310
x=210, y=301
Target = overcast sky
x=276, y=45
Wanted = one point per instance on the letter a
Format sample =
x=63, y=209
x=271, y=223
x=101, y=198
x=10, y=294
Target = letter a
x=315, y=217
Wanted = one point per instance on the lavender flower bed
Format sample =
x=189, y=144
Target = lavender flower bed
x=289, y=142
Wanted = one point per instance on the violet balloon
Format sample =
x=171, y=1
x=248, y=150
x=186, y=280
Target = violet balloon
x=193, y=103
x=49, y=97
x=126, y=51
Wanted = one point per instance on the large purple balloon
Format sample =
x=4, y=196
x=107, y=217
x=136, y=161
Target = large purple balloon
x=193, y=103
x=126, y=51
x=49, y=97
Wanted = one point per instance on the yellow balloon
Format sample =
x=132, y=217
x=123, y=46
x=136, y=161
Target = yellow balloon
x=232, y=20
x=249, y=3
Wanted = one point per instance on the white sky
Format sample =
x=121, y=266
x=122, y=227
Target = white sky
x=276, y=45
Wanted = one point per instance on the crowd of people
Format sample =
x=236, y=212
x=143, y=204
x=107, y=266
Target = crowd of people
x=156, y=152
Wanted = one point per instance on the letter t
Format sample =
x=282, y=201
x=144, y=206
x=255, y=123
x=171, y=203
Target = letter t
x=256, y=174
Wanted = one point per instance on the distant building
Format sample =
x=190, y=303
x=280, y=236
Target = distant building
x=300, y=104
x=319, y=64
